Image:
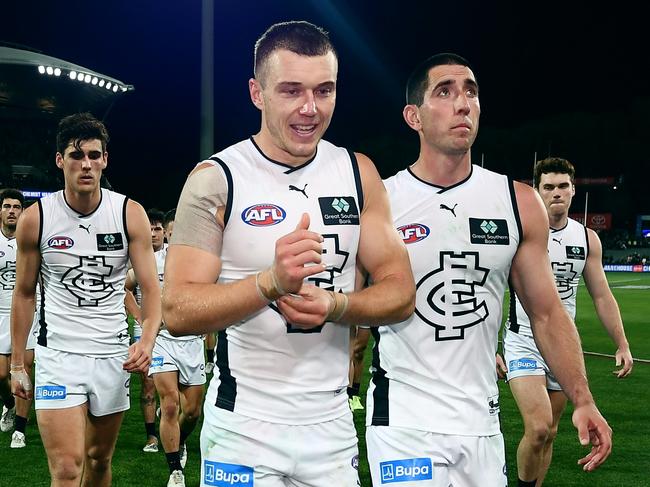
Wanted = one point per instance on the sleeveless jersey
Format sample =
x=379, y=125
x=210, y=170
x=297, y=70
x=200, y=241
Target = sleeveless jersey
x=83, y=267
x=7, y=272
x=568, y=248
x=435, y=371
x=268, y=369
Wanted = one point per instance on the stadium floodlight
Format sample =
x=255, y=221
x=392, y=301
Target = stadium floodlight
x=108, y=85
x=123, y=88
x=115, y=87
x=94, y=80
x=80, y=77
x=73, y=75
x=87, y=78
x=101, y=83
x=49, y=70
x=41, y=69
x=57, y=71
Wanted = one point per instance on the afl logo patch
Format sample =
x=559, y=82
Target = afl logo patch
x=60, y=242
x=413, y=232
x=263, y=215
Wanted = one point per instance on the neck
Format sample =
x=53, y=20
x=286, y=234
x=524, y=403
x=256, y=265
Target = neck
x=443, y=169
x=8, y=231
x=556, y=222
x=272, y=151
x=83, y=203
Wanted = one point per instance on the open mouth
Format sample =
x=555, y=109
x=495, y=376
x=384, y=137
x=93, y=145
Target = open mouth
x=304, y=130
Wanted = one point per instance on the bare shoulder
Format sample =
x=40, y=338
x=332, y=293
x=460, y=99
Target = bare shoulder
x=531, y=209
x=366, y=166
x=28, y=226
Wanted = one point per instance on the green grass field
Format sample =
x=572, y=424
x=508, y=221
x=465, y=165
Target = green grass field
x=625, y=404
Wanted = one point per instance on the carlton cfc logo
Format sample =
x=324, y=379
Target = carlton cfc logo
x=60, y=242
x=413, y=232
x=263, y=215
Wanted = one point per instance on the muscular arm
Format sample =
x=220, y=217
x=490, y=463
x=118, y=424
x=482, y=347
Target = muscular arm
x=144, y=266
x=193, y=301
x=391, y=296
x=28, y=263
x=605, y=304
x=553, y=329
x=130, y=302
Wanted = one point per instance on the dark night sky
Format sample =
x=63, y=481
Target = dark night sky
x=554, y=79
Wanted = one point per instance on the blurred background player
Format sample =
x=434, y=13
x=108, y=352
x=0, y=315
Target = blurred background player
x=132, y=301
x=574, y=251
x=15, y=411
x=177, y=370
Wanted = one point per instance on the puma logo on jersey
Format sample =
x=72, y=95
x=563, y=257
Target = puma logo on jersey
x=413, y=232
x=85, y=228
x=294, y=188
x=445, y=207
x=263, y=215
x=558, y=240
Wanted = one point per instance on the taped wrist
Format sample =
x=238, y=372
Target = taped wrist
x=268, y=286
x=19, y=374
x=338, y=306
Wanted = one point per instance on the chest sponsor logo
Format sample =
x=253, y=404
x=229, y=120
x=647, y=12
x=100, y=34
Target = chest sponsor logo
x=86, y=281
x=522, y=364
x=339, y=210
x=156, y=362
x=227, y=474
x=449, y=297
x=263, y=215
x=408, y=470
x=413, y=232
x=8, y=276
x=488, y=231
x=575, y=252
x=109, y=242
x=43, y=393
x=60, y=242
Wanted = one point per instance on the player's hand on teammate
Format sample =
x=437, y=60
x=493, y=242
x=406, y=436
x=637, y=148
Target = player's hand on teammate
x=297, y=256
x=624, y=359
x=308, y=309
x=21, y=385
x=592, y=429
x=139, y=357
x=501, y=366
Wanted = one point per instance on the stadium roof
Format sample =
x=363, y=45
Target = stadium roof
x=33, y=84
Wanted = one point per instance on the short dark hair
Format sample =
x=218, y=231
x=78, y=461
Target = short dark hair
x=553, y=164
x=170, y=216
x=78, y=127
x=297, y=36
x=155, y=216
x=418, y=81
x=13, y=194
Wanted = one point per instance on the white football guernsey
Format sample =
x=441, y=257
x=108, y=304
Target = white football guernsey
x=435, y=371
x=266, y=368
x=568, y=249
x=83, y=267
x=7, y=272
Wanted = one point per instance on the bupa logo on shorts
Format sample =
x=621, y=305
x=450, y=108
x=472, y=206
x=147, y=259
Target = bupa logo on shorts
x=522, y=364
x=156, y=362
x=575, y=252
x=109, y=242
x=409, y=470
x=227, y=474
x=60, y=242
x=413, y=232
x=339, y=210
x=489, y=231
x=44, y=393
x=263, y=215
